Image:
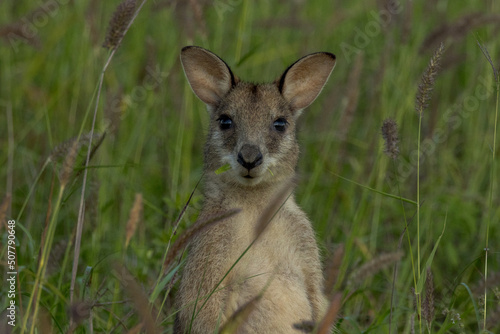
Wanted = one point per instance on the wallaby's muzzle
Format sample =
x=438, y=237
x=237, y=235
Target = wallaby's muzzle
x=250, y=156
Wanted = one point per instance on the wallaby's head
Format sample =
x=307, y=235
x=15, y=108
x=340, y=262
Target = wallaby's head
x=252, y=127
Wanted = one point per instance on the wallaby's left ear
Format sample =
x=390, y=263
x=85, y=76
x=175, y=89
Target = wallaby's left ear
x=302, y=82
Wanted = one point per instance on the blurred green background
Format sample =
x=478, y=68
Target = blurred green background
x=51, y=57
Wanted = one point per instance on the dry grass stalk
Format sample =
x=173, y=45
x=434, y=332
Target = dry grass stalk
x=63, y=149
x=459, y=29
x=333, y=269
x=181, y=214
x=428, y=304
x=119, y=22
x=47, y=221
x=81, y=213
x=99, y=138
x=274, y=206
x=372, y=267
x=240, y=316
x=138, y=298
x=134, y=218
x=391, y=139
x=176, y=225
x=427, y=82
x=186, y=237
x=333, y=310
x=69, y=163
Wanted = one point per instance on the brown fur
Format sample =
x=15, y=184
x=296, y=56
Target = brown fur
x=283, y=265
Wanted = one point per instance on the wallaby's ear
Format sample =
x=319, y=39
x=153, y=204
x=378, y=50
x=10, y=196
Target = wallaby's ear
x=303, y=81
x=209, y=76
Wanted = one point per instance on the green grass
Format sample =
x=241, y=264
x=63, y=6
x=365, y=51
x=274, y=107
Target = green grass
x=154, y=141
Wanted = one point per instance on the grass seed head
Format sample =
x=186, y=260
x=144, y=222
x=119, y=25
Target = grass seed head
x=119, y=23
x=80, y=311
x=69, y=163
x=134, y=218
x=428, y=80
x=138, y=298
x=428, y=304
x=390, y=135
x=486, y=54
x=63, y=149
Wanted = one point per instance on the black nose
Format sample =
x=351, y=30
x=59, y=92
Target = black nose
x=250, y=156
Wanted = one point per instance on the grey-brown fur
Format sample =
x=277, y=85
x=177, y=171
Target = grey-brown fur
x=283, y=265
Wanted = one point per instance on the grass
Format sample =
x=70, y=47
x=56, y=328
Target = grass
x=360, y=200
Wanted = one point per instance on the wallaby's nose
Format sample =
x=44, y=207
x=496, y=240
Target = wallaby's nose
x=249, y=156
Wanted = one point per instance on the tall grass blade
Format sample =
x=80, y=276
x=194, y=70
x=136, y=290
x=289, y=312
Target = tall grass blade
x=406, y=200
x=476, y=308
x=486, y=54
x=423, y=276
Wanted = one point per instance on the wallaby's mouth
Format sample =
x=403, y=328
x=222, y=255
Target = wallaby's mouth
x=248, y=176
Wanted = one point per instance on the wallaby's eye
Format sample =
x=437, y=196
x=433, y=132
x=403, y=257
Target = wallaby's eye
x=280, y=124
x=225, y=122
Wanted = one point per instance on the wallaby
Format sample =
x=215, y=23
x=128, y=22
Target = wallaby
x=252, y=129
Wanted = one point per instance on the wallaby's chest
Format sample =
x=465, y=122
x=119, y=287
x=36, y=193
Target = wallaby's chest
x=273, y=268
x=272, y=255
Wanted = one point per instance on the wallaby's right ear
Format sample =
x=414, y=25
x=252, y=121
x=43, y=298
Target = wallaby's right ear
x=209, y=76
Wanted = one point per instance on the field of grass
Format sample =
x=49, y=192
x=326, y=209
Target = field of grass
x=146, y=157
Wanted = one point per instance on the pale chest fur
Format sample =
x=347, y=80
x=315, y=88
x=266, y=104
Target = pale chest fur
x=273, y=266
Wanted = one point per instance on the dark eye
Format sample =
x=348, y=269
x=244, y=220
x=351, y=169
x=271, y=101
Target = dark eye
x=225, y=122
x=280, y=124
